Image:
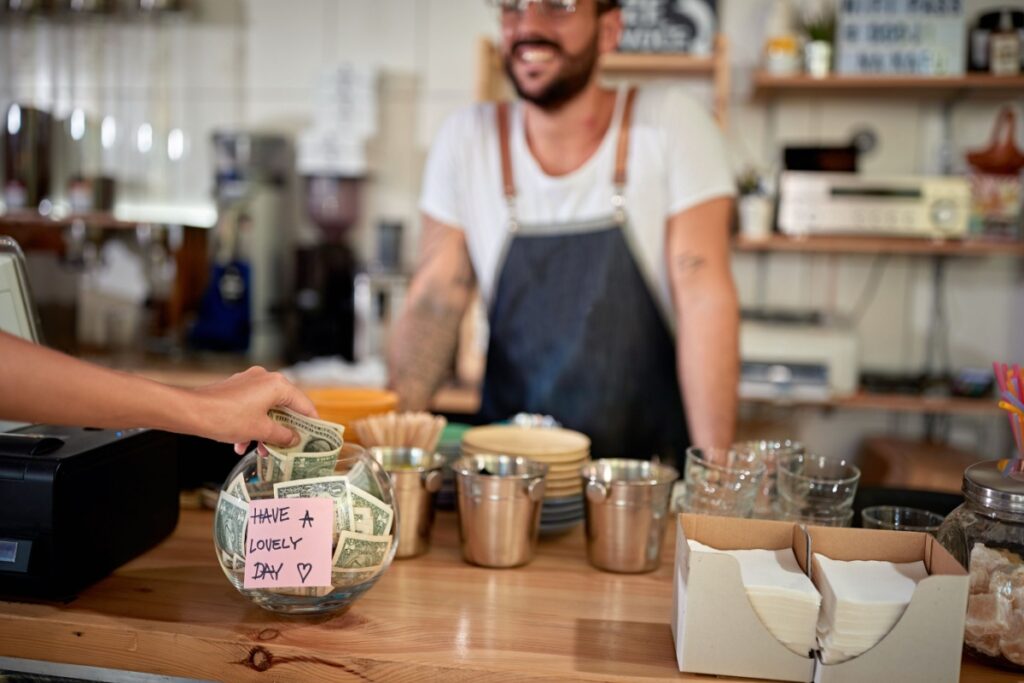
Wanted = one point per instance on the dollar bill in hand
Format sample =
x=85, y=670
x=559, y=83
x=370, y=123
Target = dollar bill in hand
x=315, y=436
x=315, y=453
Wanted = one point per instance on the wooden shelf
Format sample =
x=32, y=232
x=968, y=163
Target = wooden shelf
x=768, y=85
x=29, y=219
x=878, y=245
x=667, y=63
x=34, y=232
x=937, y=405
x=491, y=83
x=894, y=403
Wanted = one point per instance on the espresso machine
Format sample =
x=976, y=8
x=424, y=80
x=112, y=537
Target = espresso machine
x=241, y=310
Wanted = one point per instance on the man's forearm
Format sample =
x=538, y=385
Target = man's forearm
x=423, y=342
x=423, y=348
x=708, y=365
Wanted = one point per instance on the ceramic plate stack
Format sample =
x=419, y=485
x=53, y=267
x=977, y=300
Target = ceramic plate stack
x=562, y=450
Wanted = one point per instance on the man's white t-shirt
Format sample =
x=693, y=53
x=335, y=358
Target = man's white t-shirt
x=676, y=161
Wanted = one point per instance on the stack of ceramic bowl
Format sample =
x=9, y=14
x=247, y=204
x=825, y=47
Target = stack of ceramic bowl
x=562, y=450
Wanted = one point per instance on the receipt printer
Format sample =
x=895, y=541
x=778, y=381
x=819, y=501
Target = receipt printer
x=76, y=503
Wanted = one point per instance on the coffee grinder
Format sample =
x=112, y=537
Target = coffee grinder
x=332, y=297
x=326, y=306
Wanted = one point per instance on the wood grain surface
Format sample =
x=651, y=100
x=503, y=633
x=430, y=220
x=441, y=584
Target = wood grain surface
x=172, y=612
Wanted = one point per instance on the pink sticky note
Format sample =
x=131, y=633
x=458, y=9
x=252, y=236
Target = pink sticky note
x=288, y=544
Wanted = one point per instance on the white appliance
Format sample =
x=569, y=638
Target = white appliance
x=18, y=314
x=797, y=361
x=812, y=203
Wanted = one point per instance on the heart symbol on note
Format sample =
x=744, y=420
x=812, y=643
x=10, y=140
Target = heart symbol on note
x=304, y=569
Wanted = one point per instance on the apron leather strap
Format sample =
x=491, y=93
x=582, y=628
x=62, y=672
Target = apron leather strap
x=621, y=152
x=507, y=182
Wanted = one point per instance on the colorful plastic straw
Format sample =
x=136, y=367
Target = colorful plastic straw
x=1011, y=389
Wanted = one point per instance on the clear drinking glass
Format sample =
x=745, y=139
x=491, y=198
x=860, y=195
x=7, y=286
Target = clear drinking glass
x=897, y=518
x=770, y=453
x=721, y=481
x=814, y=484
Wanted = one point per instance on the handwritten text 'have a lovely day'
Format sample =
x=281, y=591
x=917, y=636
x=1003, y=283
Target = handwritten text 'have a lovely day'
x=289, y=543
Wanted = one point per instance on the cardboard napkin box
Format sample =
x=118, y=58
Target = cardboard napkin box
x=717, y=631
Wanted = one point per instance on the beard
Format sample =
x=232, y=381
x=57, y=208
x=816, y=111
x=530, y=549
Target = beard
x=573, y=77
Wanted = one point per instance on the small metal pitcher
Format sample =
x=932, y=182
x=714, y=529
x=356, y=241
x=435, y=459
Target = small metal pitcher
x=416, y=476
x=500, y=499
x=627, y=508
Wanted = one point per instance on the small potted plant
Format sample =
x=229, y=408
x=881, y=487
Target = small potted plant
x=754, y=206
x=819, y=26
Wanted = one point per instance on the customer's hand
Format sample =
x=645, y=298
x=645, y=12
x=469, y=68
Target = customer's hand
x=235, y=410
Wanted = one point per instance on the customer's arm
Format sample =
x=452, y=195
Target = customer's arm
x=41, y=385
x=707, y=316
x=424, y=339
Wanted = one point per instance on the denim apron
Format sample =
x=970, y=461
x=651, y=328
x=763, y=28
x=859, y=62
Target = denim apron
x=575, y=332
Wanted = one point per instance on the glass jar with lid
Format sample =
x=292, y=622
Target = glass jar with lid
x=986, y=534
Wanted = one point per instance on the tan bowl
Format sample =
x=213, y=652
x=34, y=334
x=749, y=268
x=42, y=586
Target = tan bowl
x=345, y=405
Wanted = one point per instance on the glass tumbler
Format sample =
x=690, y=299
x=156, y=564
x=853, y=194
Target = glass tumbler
x=721, y=481
x=770, y=453
x=896, y=518
x=813, y=485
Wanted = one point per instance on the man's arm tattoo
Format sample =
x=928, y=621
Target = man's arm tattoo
x=689, y=263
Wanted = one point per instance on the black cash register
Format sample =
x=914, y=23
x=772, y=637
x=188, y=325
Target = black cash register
x=75, y=503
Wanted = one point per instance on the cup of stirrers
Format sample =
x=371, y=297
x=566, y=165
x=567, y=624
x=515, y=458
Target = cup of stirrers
x=401, y=430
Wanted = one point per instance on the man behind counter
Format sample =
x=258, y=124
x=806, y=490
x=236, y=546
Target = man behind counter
x=595, y=223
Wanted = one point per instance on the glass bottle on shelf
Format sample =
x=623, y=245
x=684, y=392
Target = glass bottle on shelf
x=1005, y=47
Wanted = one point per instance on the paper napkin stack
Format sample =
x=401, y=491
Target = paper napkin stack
x=861, y=601
x=782, y=596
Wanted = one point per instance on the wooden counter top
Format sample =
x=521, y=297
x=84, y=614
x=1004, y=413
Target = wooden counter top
x=172, y=612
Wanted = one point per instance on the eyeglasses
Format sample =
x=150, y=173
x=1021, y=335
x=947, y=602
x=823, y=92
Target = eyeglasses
x=556, y=8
